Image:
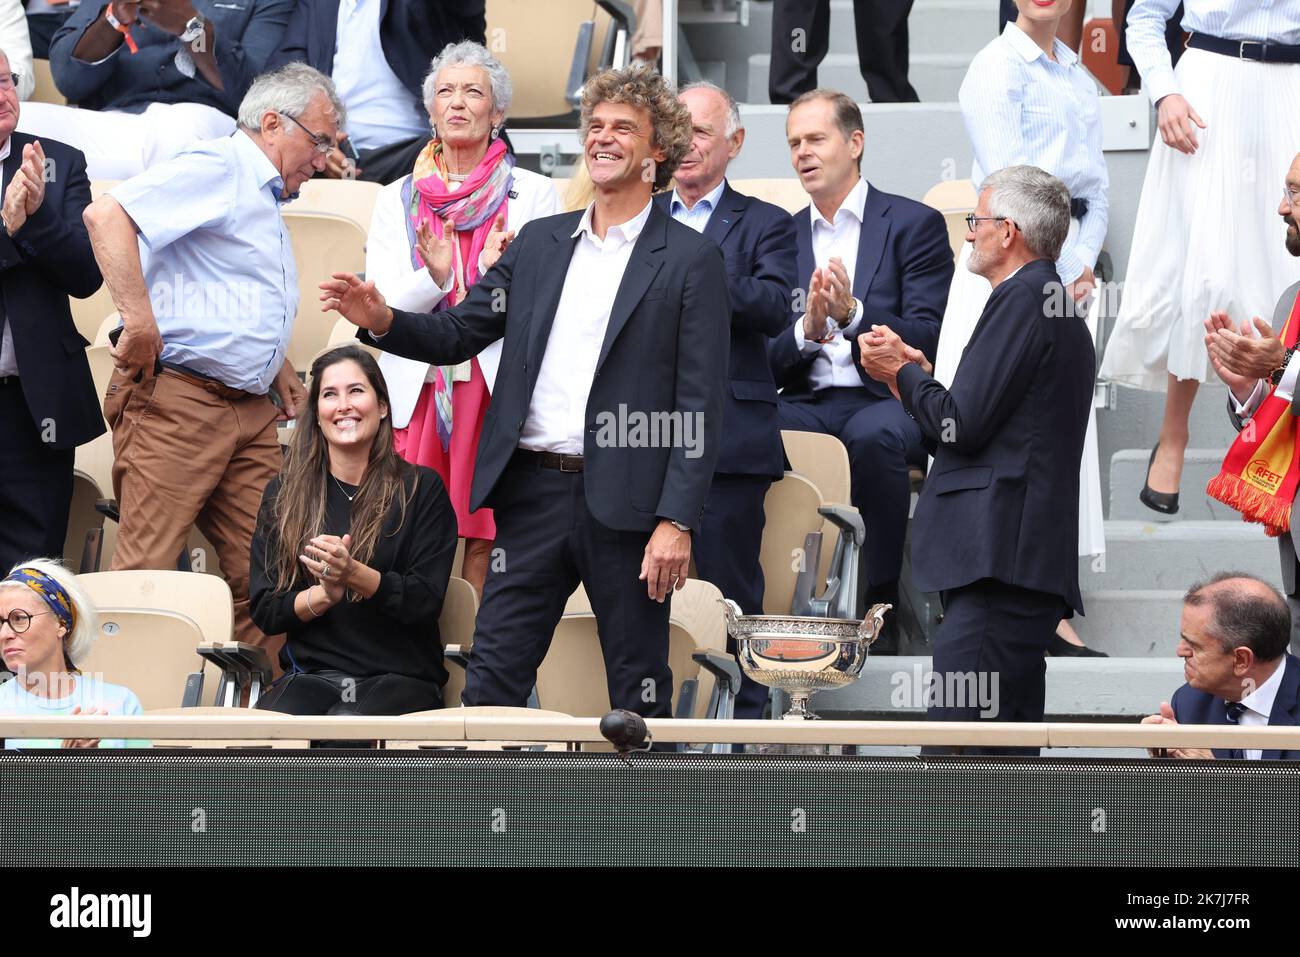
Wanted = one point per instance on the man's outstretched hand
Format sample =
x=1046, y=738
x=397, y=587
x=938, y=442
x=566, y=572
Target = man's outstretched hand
x=360, y=303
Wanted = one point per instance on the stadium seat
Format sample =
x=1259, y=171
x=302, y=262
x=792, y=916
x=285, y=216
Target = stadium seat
x=790, y=511
x=46, y=91
x=149, y=650
x=323, y=243
x=352, y=198
x=85, y=524
x=786, y=192
x=954, y=198
x=456, y=629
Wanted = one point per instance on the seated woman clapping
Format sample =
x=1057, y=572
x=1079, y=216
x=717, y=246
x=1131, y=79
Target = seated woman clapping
x=47, y=625
x=351, y=556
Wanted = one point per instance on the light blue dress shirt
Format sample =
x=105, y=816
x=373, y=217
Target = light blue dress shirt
x=1022, y=108
x=697, y=217
x=1272, y=21
x=217, y=260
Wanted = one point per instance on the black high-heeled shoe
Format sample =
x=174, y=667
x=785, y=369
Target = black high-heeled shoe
x=1058, y=647
x=1166, y=503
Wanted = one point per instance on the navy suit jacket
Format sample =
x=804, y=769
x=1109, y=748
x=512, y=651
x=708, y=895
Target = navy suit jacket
x=1198, y=707
x=1002, y=500
x=664, y=351
x=412, y=33
x=902, y=276
x=47, y=260
x=758, y=246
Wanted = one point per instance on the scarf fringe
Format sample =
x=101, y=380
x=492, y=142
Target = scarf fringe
x=1255, y=505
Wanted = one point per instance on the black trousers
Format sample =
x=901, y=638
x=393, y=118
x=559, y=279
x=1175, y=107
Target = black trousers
x=547, y=542
x=801, y=37
x=727, y=551
x=41, y=27
x=333, y=692
x=36, y=490
x=988, y=655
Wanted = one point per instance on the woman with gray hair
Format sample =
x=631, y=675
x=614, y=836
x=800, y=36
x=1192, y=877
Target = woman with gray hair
x=432, y=235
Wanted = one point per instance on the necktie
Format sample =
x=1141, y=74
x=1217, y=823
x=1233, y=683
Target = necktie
x=1233, y=710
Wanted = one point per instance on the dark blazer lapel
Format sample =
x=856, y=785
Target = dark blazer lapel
x=550, y=286
x=731, y=206
x=327, y=23
x=803, y=242
x=646, y=260
x=1284, y=703
x=871, y=241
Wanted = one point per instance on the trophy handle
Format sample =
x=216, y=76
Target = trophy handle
x=869, y=630
x=732, y=611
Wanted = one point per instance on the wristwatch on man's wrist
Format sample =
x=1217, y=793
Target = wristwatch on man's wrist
x=848, y=318
x=194, y=28
x=1275, y=376
x=680, y=527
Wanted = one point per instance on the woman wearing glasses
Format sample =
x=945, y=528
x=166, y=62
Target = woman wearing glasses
x=47, y=626
x=433, y=234
x=1027, y=100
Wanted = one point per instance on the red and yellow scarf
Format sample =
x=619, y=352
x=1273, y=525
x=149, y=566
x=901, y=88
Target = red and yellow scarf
x=1262, y=469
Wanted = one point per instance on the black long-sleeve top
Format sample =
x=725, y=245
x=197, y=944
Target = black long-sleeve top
x=396, y=630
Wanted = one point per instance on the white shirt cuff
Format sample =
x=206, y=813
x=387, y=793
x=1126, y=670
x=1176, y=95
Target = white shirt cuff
x=1246, y=409
x=805, y=347
x=1160, y=83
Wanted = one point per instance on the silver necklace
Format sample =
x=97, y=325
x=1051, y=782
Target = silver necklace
x=343, y=490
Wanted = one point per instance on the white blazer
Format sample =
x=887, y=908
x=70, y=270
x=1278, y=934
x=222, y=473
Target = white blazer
x=388, y=264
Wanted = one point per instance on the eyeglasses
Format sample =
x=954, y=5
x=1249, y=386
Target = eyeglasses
x=20, y=620
x=972, y=219
x=1291, y=195
x=8, y=81
x=323, y=143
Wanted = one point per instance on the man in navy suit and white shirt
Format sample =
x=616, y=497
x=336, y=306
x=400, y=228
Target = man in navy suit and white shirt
x=868, y=258
x=758, y=244
x=613, y=318
x=996, y=526
x=1235, y=631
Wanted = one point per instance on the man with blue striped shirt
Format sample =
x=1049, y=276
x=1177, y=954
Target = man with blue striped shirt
x=200, y=266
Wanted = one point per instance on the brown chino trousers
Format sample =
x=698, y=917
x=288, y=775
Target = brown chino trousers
x=189, y=451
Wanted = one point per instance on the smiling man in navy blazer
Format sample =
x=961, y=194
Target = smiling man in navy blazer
x=758, y=244
x=868, y=258
x=1235, y=631
x=599, y=447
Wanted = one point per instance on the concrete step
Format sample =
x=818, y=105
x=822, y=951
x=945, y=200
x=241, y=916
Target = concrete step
x=935, y=76
x=1128, y=469
x=1137, y=623
x=1086, y=688
x=1149, y=556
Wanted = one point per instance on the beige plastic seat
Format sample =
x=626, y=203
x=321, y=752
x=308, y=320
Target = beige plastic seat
x=82, y=519
x=791, y=513
x=824, y=461
x=786, y=192
x=955, y=199
x=523, y=714
x=149, y=650
x=323, y=244
x=46, y=91
x=353, y=198
x=456, y=627
x=225, y=714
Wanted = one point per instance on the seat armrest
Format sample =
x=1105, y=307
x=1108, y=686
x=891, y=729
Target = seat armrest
x=458, y=654
x=847, y=519
x=722, y=667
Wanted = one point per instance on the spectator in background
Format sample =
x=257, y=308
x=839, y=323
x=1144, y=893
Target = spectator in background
x=47, y=626
x=1235, y=630
x=377, y=52
x=182, y=83
x=15, y=41
x=48, y=404
x=44, y=17
x=466, y=179
x=648, y=37
x=801, y=32
x=758, y=243
x=193, y=424
x=352, y=555
x=868, y=258
x=1027, y=99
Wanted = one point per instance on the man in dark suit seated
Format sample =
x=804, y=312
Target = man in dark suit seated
x=599, y=448
x=868, y=258
x=996, y=526
x=758, y=244
x=377, y=52
x=1235, y=631
x=48, y=404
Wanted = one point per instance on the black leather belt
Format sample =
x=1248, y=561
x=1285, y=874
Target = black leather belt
x=1246, y=49
x=1078, y=208
x=551, y=460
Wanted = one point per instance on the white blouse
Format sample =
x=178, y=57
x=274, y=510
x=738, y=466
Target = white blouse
x=388, y=264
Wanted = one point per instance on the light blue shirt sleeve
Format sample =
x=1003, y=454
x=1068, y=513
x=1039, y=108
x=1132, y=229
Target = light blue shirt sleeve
x=172, y=199
x=1145, y=36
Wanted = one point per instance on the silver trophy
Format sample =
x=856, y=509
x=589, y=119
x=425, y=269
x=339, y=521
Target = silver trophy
x=801, y=655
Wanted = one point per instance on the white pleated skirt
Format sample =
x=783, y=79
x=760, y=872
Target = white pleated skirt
x=966, y=299
x=1207, y=235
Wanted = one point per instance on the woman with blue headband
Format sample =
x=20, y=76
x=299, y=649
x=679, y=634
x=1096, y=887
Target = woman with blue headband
x=47, y=625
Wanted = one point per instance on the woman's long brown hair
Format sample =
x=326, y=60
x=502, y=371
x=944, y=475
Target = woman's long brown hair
x=299, y=509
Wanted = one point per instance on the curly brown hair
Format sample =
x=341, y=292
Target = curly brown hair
x=642, y=87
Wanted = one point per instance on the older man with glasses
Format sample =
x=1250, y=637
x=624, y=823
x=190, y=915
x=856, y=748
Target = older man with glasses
x=200, y=266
